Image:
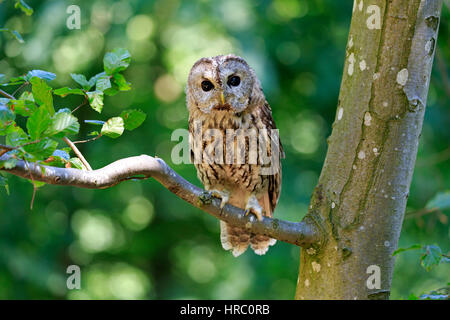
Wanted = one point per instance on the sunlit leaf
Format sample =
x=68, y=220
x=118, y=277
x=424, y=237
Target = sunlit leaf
x=63, y=92
x=41, y=74
x=117, y=60
x=121, y=83
x=96, y=100
x=103, y=83
x=93, y=80
x=113, y=128
x=76, y=163
x=38, y=122
x=63, y=123
x=81, y=80
x=133, y=118
x=42, y=94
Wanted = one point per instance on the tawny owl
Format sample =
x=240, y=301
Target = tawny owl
x=224, y=95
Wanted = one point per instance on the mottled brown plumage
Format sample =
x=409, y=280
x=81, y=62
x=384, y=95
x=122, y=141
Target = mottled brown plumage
x=223, y=94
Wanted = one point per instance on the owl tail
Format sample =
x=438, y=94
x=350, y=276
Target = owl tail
x=234, y=238
x=237, y=240
x=260, y=244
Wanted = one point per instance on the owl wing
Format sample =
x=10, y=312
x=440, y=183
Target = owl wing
x=274, y=188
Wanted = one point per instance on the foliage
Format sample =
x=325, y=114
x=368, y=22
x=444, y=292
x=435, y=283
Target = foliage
x=40, y=142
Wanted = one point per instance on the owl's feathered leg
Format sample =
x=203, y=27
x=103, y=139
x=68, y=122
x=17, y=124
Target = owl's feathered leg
x=253, y=206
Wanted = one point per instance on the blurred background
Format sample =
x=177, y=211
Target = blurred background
x=137, y=240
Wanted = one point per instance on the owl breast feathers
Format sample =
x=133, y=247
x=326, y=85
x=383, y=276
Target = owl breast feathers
x=234, y=144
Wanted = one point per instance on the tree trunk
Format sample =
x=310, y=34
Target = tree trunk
x=362, y=191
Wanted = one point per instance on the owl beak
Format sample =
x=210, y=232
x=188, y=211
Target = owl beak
x=222, y=98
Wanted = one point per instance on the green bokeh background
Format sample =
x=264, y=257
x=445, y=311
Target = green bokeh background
x=137, y=240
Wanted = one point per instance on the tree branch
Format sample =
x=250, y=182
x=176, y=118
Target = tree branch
x=77, y=153
x=304, y=233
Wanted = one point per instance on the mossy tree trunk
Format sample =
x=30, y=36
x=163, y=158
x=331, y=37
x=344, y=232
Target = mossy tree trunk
x=362, y=191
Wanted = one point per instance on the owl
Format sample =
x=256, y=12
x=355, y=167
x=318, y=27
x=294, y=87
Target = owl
x=224, y=96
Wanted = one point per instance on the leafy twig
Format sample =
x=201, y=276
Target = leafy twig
x=88, y=140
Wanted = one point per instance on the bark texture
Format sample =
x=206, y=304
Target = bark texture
x=362, y=191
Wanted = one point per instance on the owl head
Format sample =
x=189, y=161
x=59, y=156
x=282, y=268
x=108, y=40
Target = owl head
x=221, y=83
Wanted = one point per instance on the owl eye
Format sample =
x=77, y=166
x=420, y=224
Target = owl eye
x=207, y=85
x=234, y=81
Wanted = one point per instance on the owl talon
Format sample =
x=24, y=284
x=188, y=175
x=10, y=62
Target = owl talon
x=223, y=195
x=253, y=207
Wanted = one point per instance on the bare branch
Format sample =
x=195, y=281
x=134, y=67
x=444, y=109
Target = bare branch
x=6, y=94
x=77, y=153
x=304, y=233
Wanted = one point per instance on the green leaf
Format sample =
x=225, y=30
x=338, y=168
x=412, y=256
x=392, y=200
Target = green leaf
x=24, y=7
x=6, y=115
x=96, y=100
x=117, y=60
x=63, y=123
x=43, y=149
x=2, y=77
x=36, y=183
x=133, y=118
x=76, y=162
x=8, y=163
x=440, y=201
x=431, y=257
x=113, y=128
x=63, y=92
x=27, y=96
x=81, y=80
x=413, y=247
x=23, y=107
x=93, y=80
x=42, y=94
x=16, y=136
x=93, y=133
x=38, y=122
x=121, y=83
x=14, y=33
x=103, y=83
x=41, y=74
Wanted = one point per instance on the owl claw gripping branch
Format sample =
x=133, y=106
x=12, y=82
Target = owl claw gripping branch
x=228, y=117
